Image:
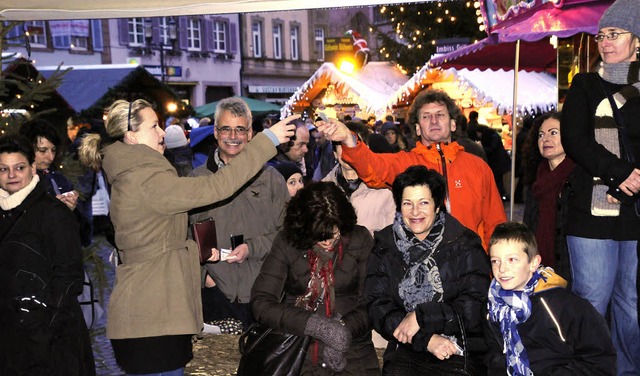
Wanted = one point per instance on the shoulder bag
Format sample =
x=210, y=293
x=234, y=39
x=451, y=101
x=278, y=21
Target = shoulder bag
x=269, y=352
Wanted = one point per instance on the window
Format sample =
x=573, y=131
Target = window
x=165, y=35
x=256, y=37
x=79, y=33
x=295, y=47
x=319, y=44
x=277, y=41
x=219, y=36
x=136, y=31
x=37, y=33
x=194, y=35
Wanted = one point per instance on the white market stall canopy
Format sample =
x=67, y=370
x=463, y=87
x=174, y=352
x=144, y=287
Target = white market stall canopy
x=536, y=90
x=27, y=10
x=369, y=88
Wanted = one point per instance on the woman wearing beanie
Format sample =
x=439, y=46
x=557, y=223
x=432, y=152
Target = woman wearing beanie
x=601, y=133
x=291, y=174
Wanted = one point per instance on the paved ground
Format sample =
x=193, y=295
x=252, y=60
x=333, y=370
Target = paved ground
x=213, y=354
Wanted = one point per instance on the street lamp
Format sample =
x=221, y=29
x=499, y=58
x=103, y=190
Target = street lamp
x=148, y=35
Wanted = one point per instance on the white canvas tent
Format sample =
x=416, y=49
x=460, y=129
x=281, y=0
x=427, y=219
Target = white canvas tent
x=26, y=10
x=537, y=91
x=369, y=87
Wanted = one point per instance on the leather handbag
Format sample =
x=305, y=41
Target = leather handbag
x=204, y=233
x=269, y=352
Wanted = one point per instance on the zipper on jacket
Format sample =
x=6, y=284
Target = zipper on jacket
x=444, y=173
x=553, y=318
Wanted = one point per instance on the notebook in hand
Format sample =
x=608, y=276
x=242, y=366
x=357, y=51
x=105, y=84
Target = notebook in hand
x=204, y=233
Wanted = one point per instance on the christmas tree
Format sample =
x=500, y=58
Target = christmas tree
x=24, y=93
x=416, y=27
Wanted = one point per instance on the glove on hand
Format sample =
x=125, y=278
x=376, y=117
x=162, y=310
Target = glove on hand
x=334, y=359
x=330, y=332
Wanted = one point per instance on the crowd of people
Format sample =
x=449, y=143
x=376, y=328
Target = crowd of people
x=336, y=228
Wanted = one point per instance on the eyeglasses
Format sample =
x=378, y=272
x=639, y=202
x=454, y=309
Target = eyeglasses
x=611, y=36
x=225, y=131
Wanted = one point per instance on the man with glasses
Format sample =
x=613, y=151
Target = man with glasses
x=255, y=211
x=471, y=197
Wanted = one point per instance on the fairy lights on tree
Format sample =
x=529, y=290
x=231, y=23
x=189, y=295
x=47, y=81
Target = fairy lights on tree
x=416, y=27
x=22, y=90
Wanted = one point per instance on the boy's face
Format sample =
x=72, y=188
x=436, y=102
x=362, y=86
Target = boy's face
x=510, y=264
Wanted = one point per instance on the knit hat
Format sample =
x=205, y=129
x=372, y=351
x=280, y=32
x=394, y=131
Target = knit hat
x=389, y=126
x=623, y=14
x=174, y=137
x=287, y=169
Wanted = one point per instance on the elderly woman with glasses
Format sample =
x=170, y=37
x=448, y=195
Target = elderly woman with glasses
x=601, y=133
x=155, y=306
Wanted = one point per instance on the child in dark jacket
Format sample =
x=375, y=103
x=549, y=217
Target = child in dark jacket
x=535, y=325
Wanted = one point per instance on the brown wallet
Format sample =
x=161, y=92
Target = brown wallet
x=204, y=233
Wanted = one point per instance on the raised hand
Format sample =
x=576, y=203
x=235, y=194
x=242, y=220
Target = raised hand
x=283, y=130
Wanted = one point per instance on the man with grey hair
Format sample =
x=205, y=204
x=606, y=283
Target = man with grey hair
x=255, y=211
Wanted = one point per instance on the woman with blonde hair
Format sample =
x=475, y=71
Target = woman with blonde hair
x=155, y=305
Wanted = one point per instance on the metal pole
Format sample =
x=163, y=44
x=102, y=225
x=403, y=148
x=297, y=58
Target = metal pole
x=514, y=131
x=162, y=62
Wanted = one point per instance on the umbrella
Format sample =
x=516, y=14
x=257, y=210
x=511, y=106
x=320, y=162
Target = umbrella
x=257, y=107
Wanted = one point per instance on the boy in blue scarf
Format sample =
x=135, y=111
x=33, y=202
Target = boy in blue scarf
x=536, y=326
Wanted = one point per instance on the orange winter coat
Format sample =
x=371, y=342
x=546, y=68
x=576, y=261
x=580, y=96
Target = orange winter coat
x=473, y=198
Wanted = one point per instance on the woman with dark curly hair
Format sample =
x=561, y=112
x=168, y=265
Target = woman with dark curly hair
x=319, y=260
x=546, y=172
x=426, y=273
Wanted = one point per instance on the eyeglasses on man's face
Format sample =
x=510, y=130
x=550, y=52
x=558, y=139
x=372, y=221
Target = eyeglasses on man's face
x=610, y=36
x=240, y=131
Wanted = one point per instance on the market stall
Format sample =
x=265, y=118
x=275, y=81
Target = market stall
x=337, y=93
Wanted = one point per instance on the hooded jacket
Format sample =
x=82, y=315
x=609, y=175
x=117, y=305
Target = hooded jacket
x=473, y=196
x=157, y=288
x=564, y=335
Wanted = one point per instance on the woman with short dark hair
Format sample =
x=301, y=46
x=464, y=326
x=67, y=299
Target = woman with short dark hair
x=427, y=271
x=319, y=260
x=41, y=324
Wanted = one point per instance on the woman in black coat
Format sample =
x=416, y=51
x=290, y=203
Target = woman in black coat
x=319, y=259
x=425, y=271
x=43, y=330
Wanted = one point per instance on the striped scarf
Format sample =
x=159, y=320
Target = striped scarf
x=510, y=308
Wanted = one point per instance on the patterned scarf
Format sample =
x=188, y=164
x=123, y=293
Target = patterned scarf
x=421, y=282
x=606, y=129
x=321, y=287
x=321, y=263
x=510, y=308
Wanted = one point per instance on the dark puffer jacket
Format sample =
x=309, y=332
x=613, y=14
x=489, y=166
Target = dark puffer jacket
x=41, y=261
x=464, y=271
x=287, y=268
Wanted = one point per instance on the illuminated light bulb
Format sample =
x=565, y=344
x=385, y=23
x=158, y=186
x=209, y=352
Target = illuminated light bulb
x=468, y=4
x=482, y=27
x=453, y=19
x=401, y=9
x=476, y=4
x=478, y=12
x=446, y=11
x=479, y=20
x=438, y=20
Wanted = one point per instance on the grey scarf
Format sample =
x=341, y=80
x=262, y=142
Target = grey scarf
x=421, y=282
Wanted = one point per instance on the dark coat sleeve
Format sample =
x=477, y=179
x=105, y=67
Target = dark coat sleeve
x=268, y=287
x=465, y=279
x=578, y=134
x=360, y=245
x=385, y=311
x=494, y=357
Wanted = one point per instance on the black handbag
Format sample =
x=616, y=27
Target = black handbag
x=269, y=352
x=408, y=362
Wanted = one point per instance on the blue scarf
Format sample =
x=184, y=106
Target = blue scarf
x=510, y=308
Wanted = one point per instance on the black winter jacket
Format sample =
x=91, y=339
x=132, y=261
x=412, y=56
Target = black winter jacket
x=41, y=261
x=464, y=271
x=568, y=338
x=287, y=269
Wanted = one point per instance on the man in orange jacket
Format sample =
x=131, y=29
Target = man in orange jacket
x=472, y=196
